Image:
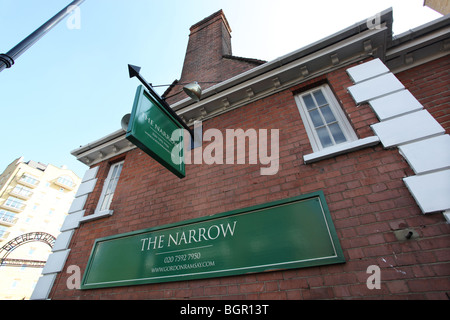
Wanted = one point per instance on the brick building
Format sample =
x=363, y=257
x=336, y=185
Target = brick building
x=363, y=123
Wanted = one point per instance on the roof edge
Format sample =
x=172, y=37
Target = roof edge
x=386, y=18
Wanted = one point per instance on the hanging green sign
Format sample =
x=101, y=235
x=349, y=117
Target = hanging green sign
x=293, y=233
x=151, y=129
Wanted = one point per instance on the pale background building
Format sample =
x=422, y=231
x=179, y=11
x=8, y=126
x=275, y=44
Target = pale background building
x=34, y=201
x=441, y=6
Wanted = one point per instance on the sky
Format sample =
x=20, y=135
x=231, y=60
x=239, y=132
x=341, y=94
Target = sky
x=72, y=86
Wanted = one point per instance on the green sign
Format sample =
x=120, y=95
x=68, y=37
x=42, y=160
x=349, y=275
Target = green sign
x=151, y=129
x=293, y=233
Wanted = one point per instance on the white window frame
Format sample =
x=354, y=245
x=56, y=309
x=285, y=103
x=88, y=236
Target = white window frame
x=7, y=216
x=15, y=203
x=100, y=211
x=22, y=190
x=344, y=124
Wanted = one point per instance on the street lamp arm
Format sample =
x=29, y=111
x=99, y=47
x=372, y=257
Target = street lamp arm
x=8, y=59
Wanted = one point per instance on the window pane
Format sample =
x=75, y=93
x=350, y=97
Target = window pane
x=316, y=119
x=328, y=114
x=7, y=216
x=3, y=230
x=114, y=172
x=106, y=202
x=324, y=137
x=337, y=133
x=114, y=184
x=111, y=186
x=309, y=102
x=320, y=98
x=120, y=169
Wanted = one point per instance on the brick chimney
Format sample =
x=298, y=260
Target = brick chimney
x=209, y=56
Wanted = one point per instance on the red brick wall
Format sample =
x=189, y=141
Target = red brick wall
x=364, y=190
x=430, y=84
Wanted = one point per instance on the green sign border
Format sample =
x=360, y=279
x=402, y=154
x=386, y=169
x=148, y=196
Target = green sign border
x=320, y=261
x=132, y=136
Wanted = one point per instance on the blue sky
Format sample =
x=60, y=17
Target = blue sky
x=72, y=87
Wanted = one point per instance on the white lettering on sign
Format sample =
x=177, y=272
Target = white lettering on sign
x=188, y=237
x=155, y=127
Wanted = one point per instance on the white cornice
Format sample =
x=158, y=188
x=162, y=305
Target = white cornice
x=221, y=98
x=104, y=148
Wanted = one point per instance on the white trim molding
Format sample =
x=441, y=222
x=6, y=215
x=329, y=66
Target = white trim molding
x=60, y=252
x=431, y=191
x=405, y=124
x=341, y=149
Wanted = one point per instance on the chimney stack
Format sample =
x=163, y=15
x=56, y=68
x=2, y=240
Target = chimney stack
x=209, y=41
x=209, y=56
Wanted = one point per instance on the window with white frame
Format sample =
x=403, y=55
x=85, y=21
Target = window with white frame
x=66, y=181
x=22, y=190
x=7, y=216
x=323, y=118
x=3, y=232
x=27, y=178
x=109, y=188
x=15, y=203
